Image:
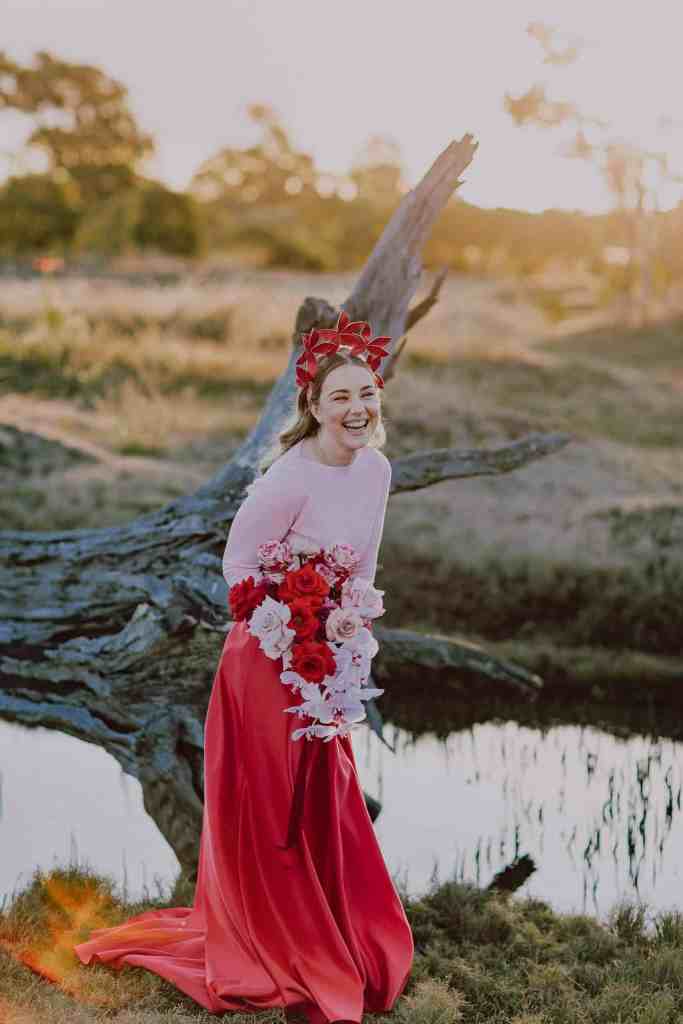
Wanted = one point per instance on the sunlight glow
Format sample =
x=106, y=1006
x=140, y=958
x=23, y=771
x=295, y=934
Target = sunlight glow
x=444, y=74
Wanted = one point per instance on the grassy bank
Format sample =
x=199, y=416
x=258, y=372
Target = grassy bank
x=481, y=956
x=638, y=608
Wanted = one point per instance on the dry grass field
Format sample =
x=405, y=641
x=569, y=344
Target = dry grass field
x=116, y=397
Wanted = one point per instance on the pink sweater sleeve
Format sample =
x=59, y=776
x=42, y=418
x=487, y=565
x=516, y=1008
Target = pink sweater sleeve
x=272, y=504
x=368, y=563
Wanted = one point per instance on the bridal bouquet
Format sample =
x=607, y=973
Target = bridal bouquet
x=312, y=611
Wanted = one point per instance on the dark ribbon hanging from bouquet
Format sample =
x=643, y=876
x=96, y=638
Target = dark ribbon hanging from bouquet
x=307, y=760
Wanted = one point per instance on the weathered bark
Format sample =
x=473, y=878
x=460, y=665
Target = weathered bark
x=86, y=615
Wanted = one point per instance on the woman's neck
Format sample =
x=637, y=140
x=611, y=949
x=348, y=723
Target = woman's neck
x=320, y=456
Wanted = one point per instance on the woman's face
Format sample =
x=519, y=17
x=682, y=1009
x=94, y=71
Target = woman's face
x=349, y=396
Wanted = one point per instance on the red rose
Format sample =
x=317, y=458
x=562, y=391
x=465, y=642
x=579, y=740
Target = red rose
x=289, y=596
x=244, y=596
x=313, y=661
x=303, y=621
x=304, y=582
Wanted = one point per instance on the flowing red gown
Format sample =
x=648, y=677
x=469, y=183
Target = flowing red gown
x=294, y=906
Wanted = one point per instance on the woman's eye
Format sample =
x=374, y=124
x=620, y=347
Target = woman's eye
x=339, y=398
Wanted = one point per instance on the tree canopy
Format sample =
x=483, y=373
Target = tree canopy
x=82, y=121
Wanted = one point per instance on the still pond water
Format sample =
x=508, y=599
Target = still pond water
x=599, y=816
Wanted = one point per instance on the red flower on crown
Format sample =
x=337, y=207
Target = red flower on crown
x=356, y=335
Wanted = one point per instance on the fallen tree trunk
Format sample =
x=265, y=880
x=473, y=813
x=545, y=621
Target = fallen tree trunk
x=87, y=616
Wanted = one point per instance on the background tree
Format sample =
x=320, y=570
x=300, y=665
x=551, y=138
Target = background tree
x=82, y=122
x=37, y=213
x=633, y=174
x=167, y=221
x=377, y=171
x=271, y=196
x=93, y=198
x=267, y=172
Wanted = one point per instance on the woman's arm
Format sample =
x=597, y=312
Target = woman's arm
x=368, y=563
x=270, y=508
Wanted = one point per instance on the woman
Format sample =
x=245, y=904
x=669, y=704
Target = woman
x=294, y=906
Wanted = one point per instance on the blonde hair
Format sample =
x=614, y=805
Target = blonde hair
x=302, y=423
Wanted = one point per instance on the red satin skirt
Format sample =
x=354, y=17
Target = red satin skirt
x=294, y=906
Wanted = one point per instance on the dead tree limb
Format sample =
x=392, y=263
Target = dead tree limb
x=86, y=616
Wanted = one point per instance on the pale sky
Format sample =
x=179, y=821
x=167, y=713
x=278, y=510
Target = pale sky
x=422, y=73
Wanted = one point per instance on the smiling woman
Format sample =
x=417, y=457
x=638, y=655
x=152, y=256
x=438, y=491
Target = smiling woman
x=338, y=409
x=347, y=407
x=294, y=906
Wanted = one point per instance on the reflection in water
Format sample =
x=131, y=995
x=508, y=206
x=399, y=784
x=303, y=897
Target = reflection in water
x=598, y=815
x=62, y=800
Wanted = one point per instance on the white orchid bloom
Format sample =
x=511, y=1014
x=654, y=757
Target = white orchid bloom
x=368, y=692
x=360, y=594
x=308, y=691
x=346, y=670
x=325, y=732
x=314, y=704
x=292, y=678
x=363, y=643
x=349, y=705
x=319, y=708
x=287, y=661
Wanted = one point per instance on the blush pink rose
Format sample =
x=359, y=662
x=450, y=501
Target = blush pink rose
x=342, y=624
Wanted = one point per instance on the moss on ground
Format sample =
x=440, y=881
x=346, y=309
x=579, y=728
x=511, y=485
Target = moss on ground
x=480, y=956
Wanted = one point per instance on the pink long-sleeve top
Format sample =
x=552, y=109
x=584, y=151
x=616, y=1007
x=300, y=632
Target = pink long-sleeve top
x=311, y=505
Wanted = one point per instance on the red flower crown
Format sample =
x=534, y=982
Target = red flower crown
x=357, y=336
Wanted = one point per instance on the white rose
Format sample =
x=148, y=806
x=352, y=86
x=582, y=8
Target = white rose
x=278, y=644
x=269, y=624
